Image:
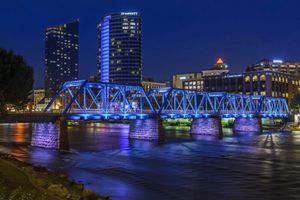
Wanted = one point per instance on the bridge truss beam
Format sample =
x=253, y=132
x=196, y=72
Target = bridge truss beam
x=90, y=100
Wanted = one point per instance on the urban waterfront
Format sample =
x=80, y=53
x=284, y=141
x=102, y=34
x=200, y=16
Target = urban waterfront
x=100, y=155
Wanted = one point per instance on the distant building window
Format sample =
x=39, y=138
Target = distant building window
x=262, y=77
x=247, y=79
x=254, y=78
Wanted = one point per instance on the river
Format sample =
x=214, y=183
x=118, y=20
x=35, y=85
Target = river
x=236, y=166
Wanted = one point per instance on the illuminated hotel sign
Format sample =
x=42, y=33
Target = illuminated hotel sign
x=277, y=61
x=234, y=75
x=129, y=13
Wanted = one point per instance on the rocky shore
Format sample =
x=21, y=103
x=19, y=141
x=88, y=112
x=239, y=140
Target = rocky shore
x=20, y=180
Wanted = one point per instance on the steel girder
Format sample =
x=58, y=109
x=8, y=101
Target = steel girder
x=178, y=103
x=83, y=99
x=115, y=101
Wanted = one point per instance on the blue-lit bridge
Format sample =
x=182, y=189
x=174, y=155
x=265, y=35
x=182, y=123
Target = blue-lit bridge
x=84, y=100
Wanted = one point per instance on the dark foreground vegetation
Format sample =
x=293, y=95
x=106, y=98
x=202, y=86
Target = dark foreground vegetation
x=22, y=181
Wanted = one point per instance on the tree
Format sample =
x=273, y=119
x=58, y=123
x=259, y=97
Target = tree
x=16, y=79
x=295, y=103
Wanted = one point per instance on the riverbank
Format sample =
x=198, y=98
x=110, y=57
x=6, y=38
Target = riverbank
x=20, y=180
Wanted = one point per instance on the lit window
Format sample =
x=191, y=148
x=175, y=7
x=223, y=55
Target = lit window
x=247, y=79
x=262, y=77
x=254, y=78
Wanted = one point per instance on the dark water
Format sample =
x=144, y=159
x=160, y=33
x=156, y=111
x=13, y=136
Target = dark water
x=101, y=156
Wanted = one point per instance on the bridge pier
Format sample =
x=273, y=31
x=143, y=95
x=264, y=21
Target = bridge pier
x=63, y=143
x=243, y=125
x=147, y=129
x=206, y=126
x=52, y=135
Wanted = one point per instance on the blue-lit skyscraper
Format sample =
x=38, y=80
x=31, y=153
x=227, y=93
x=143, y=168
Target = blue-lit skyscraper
x=120, y=48
x=61, y=56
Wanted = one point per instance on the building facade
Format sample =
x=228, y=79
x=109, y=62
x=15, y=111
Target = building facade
x=178, y=79
x=194, y=84
x=38, y=96
x=120, y=48
x=275, y=65
x=265, y=83
x=61, y=56
x=220, y=68
x=148, y=85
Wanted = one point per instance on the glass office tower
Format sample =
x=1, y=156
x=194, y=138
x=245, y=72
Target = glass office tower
x=61, y=56
x=120, y=48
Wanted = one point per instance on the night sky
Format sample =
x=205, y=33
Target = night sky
x=178, y=35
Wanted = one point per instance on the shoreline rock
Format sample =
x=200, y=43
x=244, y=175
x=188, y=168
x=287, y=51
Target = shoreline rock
x=53, y=183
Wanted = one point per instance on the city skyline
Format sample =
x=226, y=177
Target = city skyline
x=139, y=99
x=183, y=38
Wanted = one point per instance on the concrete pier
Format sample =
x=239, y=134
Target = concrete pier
x=51, y=135
x=206, y=126
x=63, y=142
x=243, y=125
x=148, y=129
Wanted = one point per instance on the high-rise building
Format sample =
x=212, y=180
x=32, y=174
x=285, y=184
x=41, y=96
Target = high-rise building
x=120, y=48
x=61, y=56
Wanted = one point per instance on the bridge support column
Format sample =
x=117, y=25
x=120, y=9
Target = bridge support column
x=147, y=129
x=206, y=126
x=242, y=125
x=63, y=143
x=51, y=135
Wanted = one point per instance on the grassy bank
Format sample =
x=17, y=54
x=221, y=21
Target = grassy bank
x=22, y=181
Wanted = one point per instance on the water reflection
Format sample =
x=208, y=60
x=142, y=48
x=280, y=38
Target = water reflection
x=206, y=137
x=19, y=131
x=38, y=155
x=103, y=158
x=268, y=143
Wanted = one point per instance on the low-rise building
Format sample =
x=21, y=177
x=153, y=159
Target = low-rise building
x=194, y=84
x=147, y=85
x=178, y=79
x=265, y=83
x=275, y=65
x=38, y=96
x=220, y=68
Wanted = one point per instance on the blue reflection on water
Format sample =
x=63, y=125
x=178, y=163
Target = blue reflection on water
x=45, y=135
x=103, y=158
